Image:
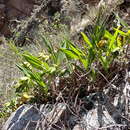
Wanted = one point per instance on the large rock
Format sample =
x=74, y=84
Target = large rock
x=20, y=119
x=13, y=9
x=18, y=8
x=61, y=117
x=3, y=21
x=30, y=117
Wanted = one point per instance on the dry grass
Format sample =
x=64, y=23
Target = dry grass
x=8, y=73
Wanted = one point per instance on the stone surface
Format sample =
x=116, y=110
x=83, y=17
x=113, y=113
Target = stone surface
x=17, y=9
x=29, y=116
x=3, y=21
x=13, y=9
x=96, y=118
x=24, y=116
x=59, y=117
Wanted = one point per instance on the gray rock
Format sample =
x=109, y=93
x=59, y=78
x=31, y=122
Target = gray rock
x=29, y=117
x=127, y=1
x=54, y=119
x=77, y=127
x=25, y=115
x=60, y=117
x=95, y=120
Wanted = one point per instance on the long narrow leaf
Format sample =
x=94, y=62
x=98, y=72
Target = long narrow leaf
x=23, y=70
x=86, y=39
x=35, y=62
x=70, y=53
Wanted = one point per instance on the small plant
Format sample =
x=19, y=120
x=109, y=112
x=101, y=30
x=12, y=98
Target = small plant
x=7, y=108
x=98, y=51
x=100, y=48
x=40, y=72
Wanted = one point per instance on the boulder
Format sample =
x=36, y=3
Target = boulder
x=60, y=117
x=31, y=117
x=24, y=116
x=3, y=21
x=18, y=8
x=13, y=9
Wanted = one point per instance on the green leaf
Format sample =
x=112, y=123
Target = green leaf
x=76, y=50
x=33, y=60
x=47, y=44
x=91, y=55
x=120, y=32
x=34, y=76
x=112, y=43
x=105, y=62
x=85, y=63
x=60, y=56
x=52, y=70
x=23, y=69
x=36, y=62
x=22, y=85
x=86, y=39
x=115, y=49
x=70, y=53
x=108, y=34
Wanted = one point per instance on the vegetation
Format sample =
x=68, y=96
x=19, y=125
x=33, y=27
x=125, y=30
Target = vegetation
x=98, y=51
x=68, y=67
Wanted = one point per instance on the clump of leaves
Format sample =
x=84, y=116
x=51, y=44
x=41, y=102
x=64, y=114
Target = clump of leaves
x=100, y=49
x=41, y=71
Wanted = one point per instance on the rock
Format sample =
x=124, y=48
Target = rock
x=128, y=1
x=2, y=15
x=80, y=23
x=59, y=118
x=24, y=116
x=31, y=118
x=3, y=21
x=55, y=118
x=125, y=11
x=77, y=127
x=13, y=9
x=95, y=119
x=18, y=8
x=91, y=2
